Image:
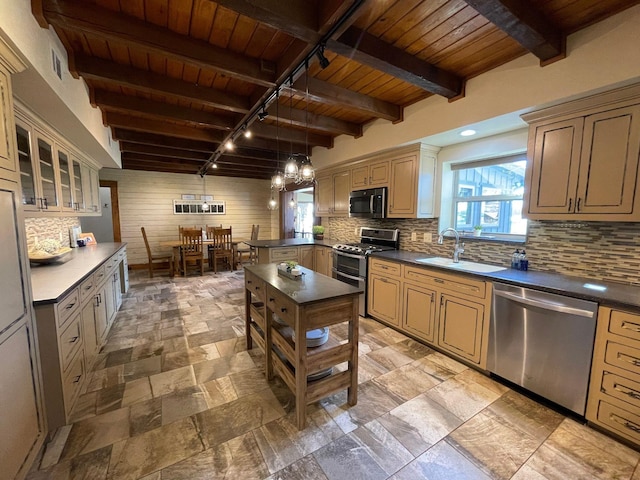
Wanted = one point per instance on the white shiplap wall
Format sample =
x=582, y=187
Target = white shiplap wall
x=146, y=200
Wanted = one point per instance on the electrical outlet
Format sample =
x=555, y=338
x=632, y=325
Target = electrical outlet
x=428, y=238
x=356, y=231
x=414, y=236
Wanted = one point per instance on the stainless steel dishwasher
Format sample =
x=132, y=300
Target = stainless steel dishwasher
x=543, y=342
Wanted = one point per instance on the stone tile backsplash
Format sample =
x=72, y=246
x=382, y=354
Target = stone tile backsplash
x=56, y=228
x=595, y=250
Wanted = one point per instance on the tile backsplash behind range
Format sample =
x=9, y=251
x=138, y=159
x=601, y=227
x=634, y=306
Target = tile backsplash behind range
x=596, y=250
x=55, y=228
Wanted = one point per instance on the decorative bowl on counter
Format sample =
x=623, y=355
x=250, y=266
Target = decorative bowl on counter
x=42, y=257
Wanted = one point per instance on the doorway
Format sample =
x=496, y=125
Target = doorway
x=106, y=227
x=298, y=212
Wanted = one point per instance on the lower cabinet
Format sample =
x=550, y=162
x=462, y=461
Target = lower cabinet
x=323, y=260
x=614, y=390
x=305, y=256
x=70, y=333
x=419, y=313
x=450, y=312
x=384, y=298
x=460, y=326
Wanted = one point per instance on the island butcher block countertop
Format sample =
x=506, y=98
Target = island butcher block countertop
x=51, y=282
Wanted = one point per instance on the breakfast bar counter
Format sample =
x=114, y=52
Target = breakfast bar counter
x=279, y=312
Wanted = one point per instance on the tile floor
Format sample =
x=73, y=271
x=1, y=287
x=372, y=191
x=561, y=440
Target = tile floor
x=175, y=395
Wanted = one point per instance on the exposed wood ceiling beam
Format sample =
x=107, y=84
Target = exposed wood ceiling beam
x=165, y=152
x=100, y=22
x=227, y=161
x=268, y=144
x=525, y=24
x=126, y=104
x=143, y=138
x=286, y=135
x=91, y=68
x=189, y=170
x=314, y=121
x=364, y=48
x=257, y=154
x=298, y=18
x=325, y=92
x=140, y=124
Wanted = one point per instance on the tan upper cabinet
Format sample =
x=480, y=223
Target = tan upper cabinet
x=584, y=164
x=370, y=174
x=402, y=191
x=332, y=193
x=409, y=173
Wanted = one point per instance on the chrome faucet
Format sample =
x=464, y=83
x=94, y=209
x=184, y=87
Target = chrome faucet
x=458, y=247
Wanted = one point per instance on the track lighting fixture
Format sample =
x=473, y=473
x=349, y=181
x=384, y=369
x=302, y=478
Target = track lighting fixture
x=229, y=145
x=215, y=165
x=324, y=61
x=262, y=114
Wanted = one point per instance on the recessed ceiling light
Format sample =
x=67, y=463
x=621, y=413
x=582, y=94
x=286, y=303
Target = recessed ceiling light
x=467, y=133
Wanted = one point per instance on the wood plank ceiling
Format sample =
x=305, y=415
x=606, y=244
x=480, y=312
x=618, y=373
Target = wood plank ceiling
x=176, y=79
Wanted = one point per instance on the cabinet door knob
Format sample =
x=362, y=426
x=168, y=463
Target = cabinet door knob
x=569, y=209
x=578, y=205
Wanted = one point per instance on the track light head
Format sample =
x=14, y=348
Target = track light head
x=262, y=115
x=324, y=61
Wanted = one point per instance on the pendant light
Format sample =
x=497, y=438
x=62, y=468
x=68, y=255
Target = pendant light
x=291, y=168
x=278, y=178
x=273, y=203
x=205, y=205
x=307, y=172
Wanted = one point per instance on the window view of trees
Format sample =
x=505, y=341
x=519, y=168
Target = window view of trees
x=489, y=194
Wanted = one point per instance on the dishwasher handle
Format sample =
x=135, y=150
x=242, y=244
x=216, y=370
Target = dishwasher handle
x=545, y=305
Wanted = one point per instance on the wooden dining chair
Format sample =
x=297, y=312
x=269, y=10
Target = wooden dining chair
x=221, y=248
x=156, y=262
x=191, y=249
x=247, y=251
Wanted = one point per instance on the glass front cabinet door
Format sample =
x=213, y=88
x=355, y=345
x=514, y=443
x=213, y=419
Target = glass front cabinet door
x=38, y=167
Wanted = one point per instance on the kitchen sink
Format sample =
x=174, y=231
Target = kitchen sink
x=461, y=265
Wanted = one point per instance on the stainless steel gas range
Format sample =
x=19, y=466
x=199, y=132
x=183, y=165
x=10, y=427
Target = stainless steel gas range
x=350, y=259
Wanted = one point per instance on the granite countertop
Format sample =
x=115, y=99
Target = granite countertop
x=613, y=295
x=290, y=242
x=51, y=282
x=312, y=287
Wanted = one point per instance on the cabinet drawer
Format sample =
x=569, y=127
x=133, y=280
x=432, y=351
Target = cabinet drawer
x=619, y=420
x=254, y=285
x=622, y=356
x=621, y=388
x=282, y=254
x=86, y=288
x=381, y=266
x=282, y=306
x=73, y=380
x=625, y=324
x=68, y=306
x=69, y=341
x=460, y=285
x=100, y=275
x=110, y=264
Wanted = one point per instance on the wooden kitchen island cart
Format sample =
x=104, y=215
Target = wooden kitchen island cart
x=279, y=312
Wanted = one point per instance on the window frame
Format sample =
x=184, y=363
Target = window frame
x=455, y=199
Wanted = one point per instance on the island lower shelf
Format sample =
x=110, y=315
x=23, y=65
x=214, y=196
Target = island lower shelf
x=311, y=373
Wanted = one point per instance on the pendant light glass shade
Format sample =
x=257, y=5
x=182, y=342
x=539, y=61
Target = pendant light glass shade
x=277, y=181
x=306, y=171
x=291, y=169
x=273, y=203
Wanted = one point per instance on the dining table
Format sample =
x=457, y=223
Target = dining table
x=175, y=245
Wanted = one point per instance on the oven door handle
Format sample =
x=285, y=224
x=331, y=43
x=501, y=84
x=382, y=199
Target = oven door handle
x=351, y=277
x=350, y=255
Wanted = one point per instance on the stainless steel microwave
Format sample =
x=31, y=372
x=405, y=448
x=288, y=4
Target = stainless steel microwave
x=369, y=203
